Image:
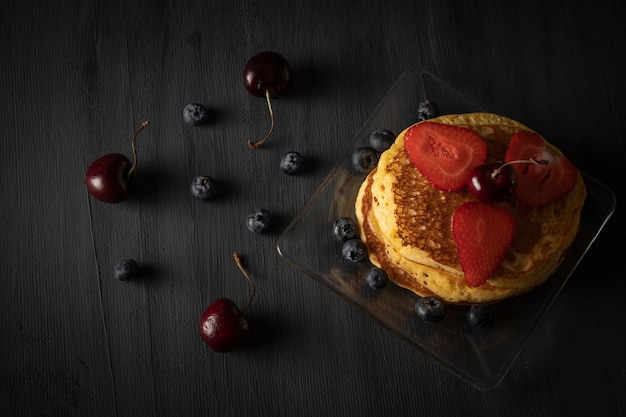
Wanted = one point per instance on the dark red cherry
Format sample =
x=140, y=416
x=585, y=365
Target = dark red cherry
x=108, y=177
x=492, y=183
x=224, y=327
x=267, y=72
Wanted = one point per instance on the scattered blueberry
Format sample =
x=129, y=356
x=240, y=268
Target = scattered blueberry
x=292, y=163
x=344, y=229
x=377, y=278
x=382, y=139
x=258, y=220
x=479, y=315
x=427, y=110
x=364, y=159
x=126, y=270
x=354, y=250
x=203, y=188
x=195, y=114
x=430, y=309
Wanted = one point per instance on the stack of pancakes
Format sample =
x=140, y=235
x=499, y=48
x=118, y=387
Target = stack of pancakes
x=406, y=223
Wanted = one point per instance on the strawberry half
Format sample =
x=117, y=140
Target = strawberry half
x=482, y=233
x=444, y=154
x=539, y=185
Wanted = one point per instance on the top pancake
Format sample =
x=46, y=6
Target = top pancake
x=405, y=221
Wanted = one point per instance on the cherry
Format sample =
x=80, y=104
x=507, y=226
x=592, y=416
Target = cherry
x=223, y=326
x=492, y=183
x=267, y=74
x=108, y=177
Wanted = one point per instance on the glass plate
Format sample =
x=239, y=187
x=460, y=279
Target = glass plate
x=480, y=356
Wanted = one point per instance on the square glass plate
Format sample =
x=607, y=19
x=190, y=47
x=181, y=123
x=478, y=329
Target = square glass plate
x=480, y=356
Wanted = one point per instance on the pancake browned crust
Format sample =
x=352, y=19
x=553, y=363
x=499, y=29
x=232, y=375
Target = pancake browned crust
x=405, y=222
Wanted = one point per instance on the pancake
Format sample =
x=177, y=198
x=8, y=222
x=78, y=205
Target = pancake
x=406, y=223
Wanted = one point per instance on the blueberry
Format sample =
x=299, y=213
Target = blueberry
x=364, y=159
x=382, y=139
x=195, y=114
x=344, y=229
x=430, y=309
x=354, y=250
x=126, y=270
x=292, y=163
x=427, y=110
x=376, y=278
x=203, y=188
x=479, y=315
x=258, y=220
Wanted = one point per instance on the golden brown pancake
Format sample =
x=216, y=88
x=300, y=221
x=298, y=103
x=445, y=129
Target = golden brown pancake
x=406, y=223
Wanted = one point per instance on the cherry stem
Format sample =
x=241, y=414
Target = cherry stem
x=245, y=274
x=495, y=173
x=253, y=145
x=132, y=144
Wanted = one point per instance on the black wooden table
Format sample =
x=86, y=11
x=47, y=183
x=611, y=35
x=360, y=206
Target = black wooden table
x=78, y=77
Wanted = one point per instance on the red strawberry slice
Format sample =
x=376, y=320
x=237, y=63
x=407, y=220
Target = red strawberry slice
x=444, y=154
x=482, y=233
x=543, y=184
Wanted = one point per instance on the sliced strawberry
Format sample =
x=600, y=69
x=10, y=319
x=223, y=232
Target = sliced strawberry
x=542, y=184
x=482, y=233
x=444, y=154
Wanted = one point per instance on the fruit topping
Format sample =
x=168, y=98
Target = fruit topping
x=258, y=220
x=445, y=154
x=267, y=74
x=427, y=110
x=344, y=228
x=203, y=188
x=482, y=233
x=492, y=183
x=376, y=278
x=430, y=309
x=382, y=139
x=354, y=250
x=126, y=270
x=479, y=315
x=195, y=114
x=364, y=159
x=108, y=177
x=292, y=163
x=542, y=183
x=223, y=326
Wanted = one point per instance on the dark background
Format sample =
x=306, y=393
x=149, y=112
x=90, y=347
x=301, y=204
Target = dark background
x=76, y=79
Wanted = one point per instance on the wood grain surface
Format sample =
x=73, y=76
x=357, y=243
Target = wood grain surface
x=76, y=79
